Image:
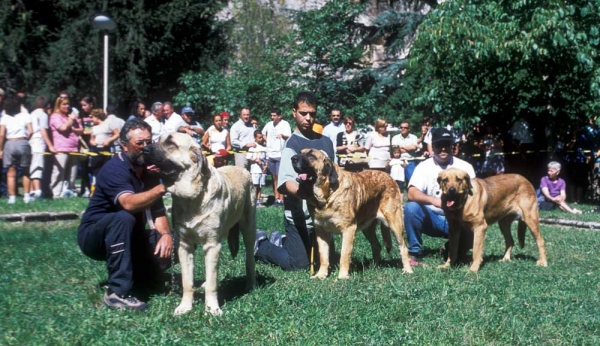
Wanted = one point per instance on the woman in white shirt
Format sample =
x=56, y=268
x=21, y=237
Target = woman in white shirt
x=101, y=140
x=15, y=130
x=378, y=146
x=216, y=137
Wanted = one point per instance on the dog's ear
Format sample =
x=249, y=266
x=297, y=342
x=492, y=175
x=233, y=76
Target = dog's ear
x=333, y=176
x=330, y=172
x=469, y=185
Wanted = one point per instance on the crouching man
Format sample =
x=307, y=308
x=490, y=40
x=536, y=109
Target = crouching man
x=128, y=196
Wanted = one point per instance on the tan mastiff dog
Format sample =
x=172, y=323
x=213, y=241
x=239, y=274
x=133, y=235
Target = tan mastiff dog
x=474, y=204
x=343, y=202
x=209, y=205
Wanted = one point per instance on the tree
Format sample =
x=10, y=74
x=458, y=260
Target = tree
x=499, y=60
x=51, y=45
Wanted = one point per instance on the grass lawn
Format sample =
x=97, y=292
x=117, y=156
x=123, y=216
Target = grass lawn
x=50, y=295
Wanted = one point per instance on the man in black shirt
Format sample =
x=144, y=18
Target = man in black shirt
x=112, y=229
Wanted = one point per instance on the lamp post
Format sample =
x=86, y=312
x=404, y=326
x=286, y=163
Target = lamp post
x=106, y=24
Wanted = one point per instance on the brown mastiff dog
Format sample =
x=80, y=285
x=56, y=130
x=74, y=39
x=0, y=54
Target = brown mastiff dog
x=474, y=204
x=209, y=206
x=343, y=202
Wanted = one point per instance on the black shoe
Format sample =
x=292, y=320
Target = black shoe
x=115, y=301
x=260, y=237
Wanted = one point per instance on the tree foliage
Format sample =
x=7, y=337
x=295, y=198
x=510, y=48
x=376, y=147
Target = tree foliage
x=48, y=46
x=498, y=60
x=322, y=51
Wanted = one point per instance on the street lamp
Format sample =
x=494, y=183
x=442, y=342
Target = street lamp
x=106, y=24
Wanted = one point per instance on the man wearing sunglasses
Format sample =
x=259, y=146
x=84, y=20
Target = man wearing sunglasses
x=407, y=142
x=113, y=228
x=423, y=213
x=291, y=250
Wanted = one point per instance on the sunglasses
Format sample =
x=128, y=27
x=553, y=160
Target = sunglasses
x=404, y=127
x=143, y=143
x=312, y=114
x=349, y=123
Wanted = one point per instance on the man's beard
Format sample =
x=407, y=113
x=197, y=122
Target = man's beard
x=136, y=159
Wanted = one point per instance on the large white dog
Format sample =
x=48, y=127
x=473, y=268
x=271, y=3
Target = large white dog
x=209, y=205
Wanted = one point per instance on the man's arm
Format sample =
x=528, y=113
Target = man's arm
x=164, y=246
x=136, y=202
x=416, y=195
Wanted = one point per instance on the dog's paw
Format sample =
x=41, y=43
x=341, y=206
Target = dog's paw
x=505, y=259
x=541, y=263
x=444, y=266
x=407, y=270
x=215, y=311
x=345, y=276
x=319, y=275
x=182, y=309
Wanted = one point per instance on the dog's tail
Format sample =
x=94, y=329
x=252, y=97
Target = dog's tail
x=521, y=233
x=233, y=240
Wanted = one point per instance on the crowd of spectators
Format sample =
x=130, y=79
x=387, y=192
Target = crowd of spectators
x=65, y=143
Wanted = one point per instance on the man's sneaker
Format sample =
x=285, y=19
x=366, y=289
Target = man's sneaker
x=115, y=301
x=12, y=199
x=277, y=238
x=260, y=237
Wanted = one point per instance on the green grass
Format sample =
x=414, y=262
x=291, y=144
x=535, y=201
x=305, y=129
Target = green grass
x=50, y=295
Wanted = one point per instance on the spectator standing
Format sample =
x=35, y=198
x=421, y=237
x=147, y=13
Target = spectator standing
x=276, y=132
x=347, y=143
x=87, y=103
x=66, y=128
x=40, y=142
x=156, y=120
x=138, y=110
x=258, y=165
x=408, y=144
x=335, y=127
x=114, y=123
x=15, y=151
x=242, y=137
x=102, y=139
x=191, y=127
x=216, y=139
x=398, y=168
x=378, y=146
x=172, y=119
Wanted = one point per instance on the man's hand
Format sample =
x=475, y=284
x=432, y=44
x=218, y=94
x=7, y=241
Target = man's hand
x=164, y=247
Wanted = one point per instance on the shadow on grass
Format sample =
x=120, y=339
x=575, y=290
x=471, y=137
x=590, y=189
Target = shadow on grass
x=229, y=288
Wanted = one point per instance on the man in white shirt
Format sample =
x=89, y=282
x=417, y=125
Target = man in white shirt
x=172, y=120
x=423, y=212
x=242, y=137
x=407, y=142
x=335, y=126
x=276, y=132
x=155, y=120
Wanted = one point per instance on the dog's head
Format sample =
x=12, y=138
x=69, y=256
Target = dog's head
x=179, y=160
x=456, y=188
x=315, y=170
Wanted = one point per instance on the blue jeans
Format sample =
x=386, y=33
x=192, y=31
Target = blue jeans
x=408, y=172
x=418, y=220
x=292, y=256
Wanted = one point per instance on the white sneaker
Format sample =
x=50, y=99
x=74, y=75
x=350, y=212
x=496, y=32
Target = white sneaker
x=12, y=199
x=27, y=198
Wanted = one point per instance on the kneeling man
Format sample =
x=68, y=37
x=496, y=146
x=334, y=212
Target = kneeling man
x=423, y=212
x=127, y=197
